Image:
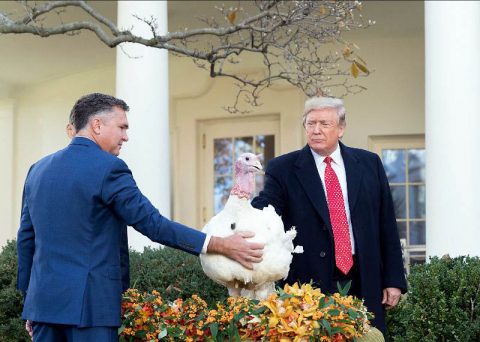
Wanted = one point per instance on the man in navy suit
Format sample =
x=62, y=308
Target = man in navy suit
x=339, y=200
x=72, y=242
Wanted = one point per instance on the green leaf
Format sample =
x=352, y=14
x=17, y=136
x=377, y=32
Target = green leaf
x=162, y=334
x=237, y=335
x=282, y=294
x=352, y=313
x=214, y=330
x=323, y=303
x=344, y=291
x=233, y=331
x=333, y=312
x=327, y=326
x=335, y=330
x=174, y=331
x=259, y=310
x=238, y=316
x=230, y=329
x=285, y=296
x=141, y=333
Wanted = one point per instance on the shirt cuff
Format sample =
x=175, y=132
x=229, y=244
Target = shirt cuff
x=205, y=244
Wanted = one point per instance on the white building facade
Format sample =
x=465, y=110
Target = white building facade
x=419, y=114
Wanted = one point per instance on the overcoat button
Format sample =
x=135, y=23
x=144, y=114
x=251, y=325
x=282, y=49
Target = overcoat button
x=322, y=254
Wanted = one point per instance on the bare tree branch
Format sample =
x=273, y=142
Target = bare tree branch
x=294, y=39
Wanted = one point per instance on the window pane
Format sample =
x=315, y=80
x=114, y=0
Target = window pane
x=259, y=184
x=416, y=166
x=402, y=230
x=417, y=233
x=264, y=145
x=403, y=245
x=417, y=201
x=222, y=187
x=399, y=195
x=222, y=156
x=243, y=145
x=409, y=199
x=417, y=258
x=394, y=164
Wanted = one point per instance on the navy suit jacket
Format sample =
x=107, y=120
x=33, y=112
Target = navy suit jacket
x=72, y=241
x=293, y=186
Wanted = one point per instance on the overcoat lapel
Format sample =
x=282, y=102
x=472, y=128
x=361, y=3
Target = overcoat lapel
x=354, y=175
x=307, y=174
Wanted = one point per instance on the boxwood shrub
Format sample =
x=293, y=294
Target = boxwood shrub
x=174, y=274
x=442, y=304
x=12, y=328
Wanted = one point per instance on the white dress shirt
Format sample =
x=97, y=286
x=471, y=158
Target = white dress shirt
x=205, y=244
x=339, y=167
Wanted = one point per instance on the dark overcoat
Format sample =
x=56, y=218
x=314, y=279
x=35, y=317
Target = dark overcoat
x=293, y=186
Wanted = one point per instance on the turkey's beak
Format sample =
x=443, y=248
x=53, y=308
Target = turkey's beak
x=258, y=168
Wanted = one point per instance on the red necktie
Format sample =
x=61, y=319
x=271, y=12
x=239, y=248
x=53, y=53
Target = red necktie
x=338, y=218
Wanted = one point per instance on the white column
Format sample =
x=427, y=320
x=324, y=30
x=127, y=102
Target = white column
x=452, y=105
x=8, y=225
x=142, y=81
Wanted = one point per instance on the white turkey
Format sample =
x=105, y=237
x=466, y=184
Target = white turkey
x=239, y=215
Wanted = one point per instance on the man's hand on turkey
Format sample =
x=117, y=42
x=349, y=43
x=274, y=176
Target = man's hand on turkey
x=237, y=248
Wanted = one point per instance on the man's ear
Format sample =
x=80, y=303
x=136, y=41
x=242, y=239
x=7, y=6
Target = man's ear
x=70, y=131
x=341, y=131
x=96, y=125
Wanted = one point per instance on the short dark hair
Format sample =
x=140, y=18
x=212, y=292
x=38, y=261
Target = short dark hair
x=93, y=104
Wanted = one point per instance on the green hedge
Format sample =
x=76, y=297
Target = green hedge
x=11, y=327
x=172, y=273
x=443, y=302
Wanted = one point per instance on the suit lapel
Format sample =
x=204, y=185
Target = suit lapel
x=354, y=175
x=307, y=174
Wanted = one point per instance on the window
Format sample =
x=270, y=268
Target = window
x=222, y=142
x=225, y=152
x=403, y=158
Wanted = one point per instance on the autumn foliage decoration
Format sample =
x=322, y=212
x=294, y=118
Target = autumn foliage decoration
x=295, y=313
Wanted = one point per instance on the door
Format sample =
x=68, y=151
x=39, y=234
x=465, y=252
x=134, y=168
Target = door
x=222, y=141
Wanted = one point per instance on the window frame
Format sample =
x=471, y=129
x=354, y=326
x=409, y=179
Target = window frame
x=208, y=131
x=378, y=143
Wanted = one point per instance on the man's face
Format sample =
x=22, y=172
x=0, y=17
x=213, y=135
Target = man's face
x=323, y=131
x=112, y=131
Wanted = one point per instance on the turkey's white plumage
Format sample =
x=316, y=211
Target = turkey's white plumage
x=239, y=215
